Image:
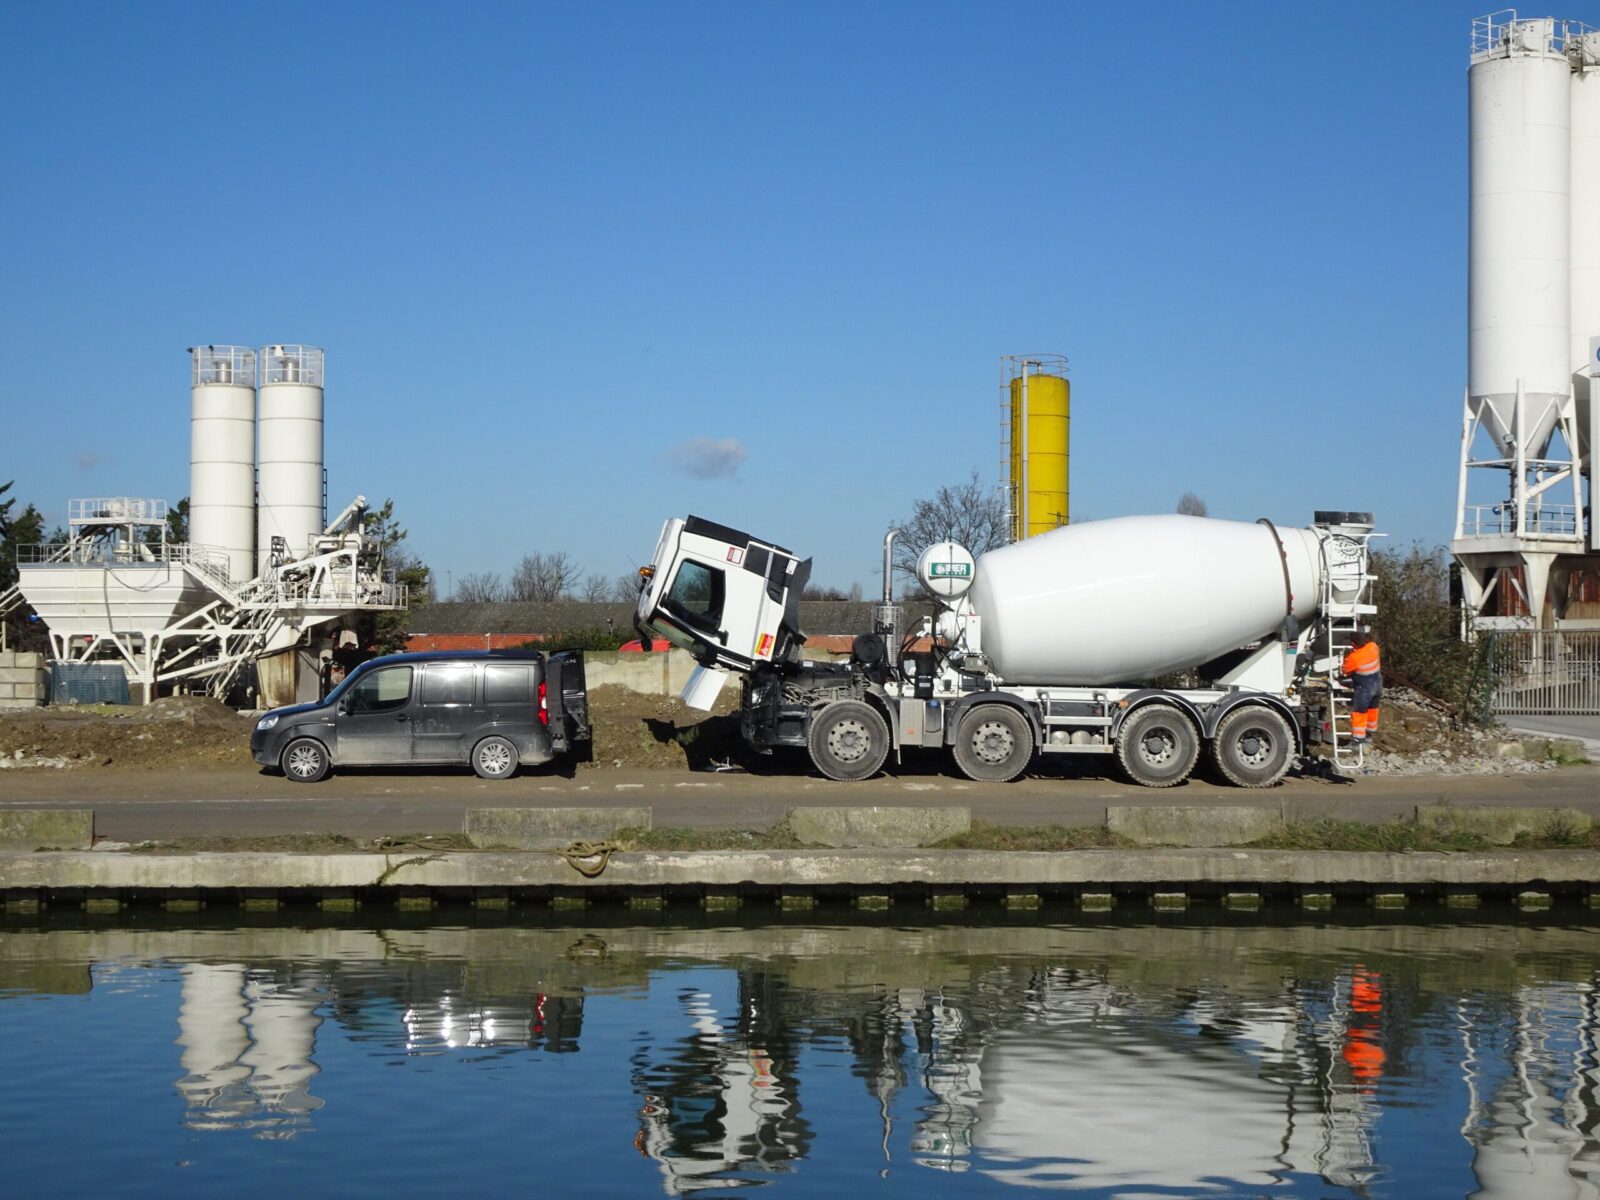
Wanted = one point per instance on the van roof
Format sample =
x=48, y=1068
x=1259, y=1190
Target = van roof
x=424, y=656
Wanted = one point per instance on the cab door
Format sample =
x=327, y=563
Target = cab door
x=374, y=719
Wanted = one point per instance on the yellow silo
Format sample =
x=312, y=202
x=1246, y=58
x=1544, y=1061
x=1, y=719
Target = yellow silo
x=1041, y=418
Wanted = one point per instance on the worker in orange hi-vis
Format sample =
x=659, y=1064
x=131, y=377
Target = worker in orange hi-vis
x=1365, y=669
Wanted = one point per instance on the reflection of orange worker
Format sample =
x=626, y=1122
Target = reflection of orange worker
x=1362, y=1048
x=1366, y=675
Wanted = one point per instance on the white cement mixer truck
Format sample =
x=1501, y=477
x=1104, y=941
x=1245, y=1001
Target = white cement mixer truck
x=1149, y=639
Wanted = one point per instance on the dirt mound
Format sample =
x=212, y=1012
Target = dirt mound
x=177, y=731
x=661, y=732
x=1416, y=736
x=191, y=710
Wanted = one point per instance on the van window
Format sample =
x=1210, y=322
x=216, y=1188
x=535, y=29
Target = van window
x=506, y=684
x=697, y=594
x=381, y=691
x=447, y=683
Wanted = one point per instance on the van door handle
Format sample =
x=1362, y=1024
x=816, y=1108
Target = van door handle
x=402, y=717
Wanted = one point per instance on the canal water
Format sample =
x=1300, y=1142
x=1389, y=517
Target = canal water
x=1102, y=1056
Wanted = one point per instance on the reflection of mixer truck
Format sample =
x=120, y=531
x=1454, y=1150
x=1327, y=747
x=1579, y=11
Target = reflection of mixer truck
x=1056, y=645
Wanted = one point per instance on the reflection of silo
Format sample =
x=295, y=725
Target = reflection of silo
x=1518, y=294
x=283, y=1027
x=222, y=454
x=212, y=1033
x=1040, y=407
x=1585, y=220
x=290, y=457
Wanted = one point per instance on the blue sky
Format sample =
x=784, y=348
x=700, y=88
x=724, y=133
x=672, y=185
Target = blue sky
x=567, y=260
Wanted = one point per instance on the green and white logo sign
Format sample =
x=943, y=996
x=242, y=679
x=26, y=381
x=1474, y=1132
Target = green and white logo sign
x=950, y=570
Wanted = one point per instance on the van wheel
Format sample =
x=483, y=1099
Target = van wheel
x=1253, y=746
x=305, y=760
x=994, y=743
x=494, y=758
x=849, y=740
x=1157, y=746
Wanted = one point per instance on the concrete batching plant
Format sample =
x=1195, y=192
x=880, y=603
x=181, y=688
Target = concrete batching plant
x=1524, y=528
x=264, y=577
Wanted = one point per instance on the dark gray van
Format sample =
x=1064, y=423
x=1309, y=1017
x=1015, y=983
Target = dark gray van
x=493, y=709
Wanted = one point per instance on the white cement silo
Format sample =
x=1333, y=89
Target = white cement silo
x=1519, y=288
x=290, y=451
x=222, y=455
x=1585, y=55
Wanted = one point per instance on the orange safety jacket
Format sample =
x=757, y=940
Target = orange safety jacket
x=1363, y=660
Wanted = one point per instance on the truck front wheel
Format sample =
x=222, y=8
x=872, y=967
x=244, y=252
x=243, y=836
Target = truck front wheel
x=994, y=743
x=1157, y=746
x=1253, y=747
x=849, y=740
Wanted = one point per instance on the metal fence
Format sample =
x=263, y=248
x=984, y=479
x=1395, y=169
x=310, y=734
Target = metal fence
x=1546, y=673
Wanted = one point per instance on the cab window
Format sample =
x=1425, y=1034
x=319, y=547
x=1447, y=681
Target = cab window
x=697, y=595
x=447, y=683
x=381, y=691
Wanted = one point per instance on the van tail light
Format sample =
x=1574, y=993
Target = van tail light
x=544, y=703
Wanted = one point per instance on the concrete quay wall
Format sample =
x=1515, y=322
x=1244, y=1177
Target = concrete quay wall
x=1242, y=878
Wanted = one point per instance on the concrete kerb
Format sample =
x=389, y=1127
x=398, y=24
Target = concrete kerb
x=878, y=827
x=1194, y=825
x=46, y=829
x=1501, y=826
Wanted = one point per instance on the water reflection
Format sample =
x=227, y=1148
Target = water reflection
x=1123, y=1060
x=247, y=1039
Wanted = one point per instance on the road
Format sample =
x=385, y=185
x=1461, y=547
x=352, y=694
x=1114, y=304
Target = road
x=135, y=805
x=1584, y=729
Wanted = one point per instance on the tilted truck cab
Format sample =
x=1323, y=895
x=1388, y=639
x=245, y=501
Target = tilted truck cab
x=729, y=599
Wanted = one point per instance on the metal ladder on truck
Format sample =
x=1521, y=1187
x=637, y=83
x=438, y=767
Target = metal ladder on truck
x=1346, y=604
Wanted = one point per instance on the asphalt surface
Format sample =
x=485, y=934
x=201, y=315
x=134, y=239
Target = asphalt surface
x=1584, y=729
x=135, y=805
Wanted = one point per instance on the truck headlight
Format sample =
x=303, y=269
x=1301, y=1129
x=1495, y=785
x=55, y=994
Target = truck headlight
x=267, y=722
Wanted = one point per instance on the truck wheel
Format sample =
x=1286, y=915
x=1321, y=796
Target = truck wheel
x=1157, y=746
x=994, y=743
x=849, y=740
x=305, y=760
x=1253, y=746
x=494, y=758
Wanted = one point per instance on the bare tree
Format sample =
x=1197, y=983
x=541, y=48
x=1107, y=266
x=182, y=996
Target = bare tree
x=625, y=588
x=544, y=577
x=480, y=588
x=596, y=589
x=857, y=593
x=1191, y=505
x=971, y=513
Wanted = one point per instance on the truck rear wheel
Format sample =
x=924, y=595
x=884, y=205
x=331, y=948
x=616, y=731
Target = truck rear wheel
x=994, y=743
x=849, y=740
x=1157, y=746
x=1253, y=746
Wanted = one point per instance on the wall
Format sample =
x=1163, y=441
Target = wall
x=22, y=679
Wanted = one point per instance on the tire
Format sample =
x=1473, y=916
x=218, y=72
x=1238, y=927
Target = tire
x=305, y=760
x=1253, y=746
x=849, y=740
x=1157, y=746
x=994, y=743
x=494, y=758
